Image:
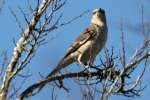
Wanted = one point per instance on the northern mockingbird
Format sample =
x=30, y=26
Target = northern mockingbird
x=90, y=42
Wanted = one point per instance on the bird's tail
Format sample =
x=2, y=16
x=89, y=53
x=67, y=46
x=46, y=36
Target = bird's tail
x=62, y=64
x=56, y=70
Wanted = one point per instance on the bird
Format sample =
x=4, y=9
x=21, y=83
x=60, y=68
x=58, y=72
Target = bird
x=87, y=45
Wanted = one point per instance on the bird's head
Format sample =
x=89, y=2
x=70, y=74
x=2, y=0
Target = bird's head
x=98, y=17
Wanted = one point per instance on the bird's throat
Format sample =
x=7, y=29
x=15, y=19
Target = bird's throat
x=97, y=22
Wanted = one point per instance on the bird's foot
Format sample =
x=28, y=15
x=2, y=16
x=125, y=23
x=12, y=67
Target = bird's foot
x=88, y=71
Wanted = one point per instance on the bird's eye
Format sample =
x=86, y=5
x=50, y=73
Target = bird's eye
x=102, y=12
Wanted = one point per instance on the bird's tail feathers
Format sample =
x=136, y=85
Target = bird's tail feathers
x=62, y=64
x=56, y=70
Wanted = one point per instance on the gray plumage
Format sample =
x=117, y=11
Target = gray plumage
x=89, y=43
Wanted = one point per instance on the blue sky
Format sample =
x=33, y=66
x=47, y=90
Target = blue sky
x=48, y=55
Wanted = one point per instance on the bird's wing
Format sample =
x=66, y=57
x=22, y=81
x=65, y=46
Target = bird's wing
x=88, y=34
x=83, y=38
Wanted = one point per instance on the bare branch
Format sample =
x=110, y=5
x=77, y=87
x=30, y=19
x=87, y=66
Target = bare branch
x=18, y=50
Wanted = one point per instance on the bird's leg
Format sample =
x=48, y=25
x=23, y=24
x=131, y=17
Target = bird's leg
x=87, y=66
x=80, y=62
x=88, y=70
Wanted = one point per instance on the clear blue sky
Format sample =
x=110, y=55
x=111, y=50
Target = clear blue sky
x=48, y=55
